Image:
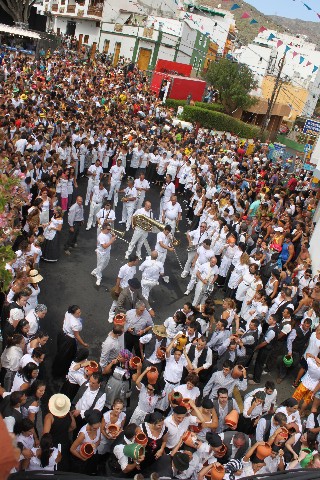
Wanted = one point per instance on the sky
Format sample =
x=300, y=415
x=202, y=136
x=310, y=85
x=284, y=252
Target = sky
x=289, y=8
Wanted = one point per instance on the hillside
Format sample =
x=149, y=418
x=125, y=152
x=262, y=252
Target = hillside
x=310, y=29
x=247, y=32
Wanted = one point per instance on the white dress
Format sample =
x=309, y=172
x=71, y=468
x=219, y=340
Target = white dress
x=247, y=280
x=87, y=439
x=239, y=272
x=105, y=444
x=35, y=461
x=33, y=299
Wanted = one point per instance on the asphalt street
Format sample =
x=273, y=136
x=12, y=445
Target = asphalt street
x=69, y=282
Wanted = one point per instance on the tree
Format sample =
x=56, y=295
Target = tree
x=234, y=82
x=19, y=10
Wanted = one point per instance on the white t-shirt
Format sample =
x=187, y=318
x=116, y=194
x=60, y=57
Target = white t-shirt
x=125, y=274
x=71, y=324
x=102, y=239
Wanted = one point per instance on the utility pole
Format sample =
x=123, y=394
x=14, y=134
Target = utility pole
x=274, y=96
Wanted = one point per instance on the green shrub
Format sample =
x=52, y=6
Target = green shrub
x=172, y=103
x=219, y=121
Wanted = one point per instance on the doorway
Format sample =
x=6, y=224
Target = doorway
x=144, y=58
x=117, y=49
x=71, y=28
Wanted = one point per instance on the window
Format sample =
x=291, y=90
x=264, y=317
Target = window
x=200, y=39
x=195, y=61
x=86, y=39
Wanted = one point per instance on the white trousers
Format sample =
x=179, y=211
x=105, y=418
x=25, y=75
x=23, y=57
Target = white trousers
x=89, y=190
x=127, y=212
x=193, y=278
x=191, y=256
x=114, y=187
x=172, y=224
x=147, y=286
x=81, y=166
x=102, y=262
x=139, y=238
x=199, y=293
x=94, y=209
x=162, y=256
x=140, y=200
x=113, y=308
x=163, y=204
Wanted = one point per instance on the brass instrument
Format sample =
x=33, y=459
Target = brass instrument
x=193, y=248
x=147, y=224
x=118, y=233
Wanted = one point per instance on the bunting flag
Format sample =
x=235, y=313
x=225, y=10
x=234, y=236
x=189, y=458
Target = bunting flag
x=253, y=21
x=234, y=6
x=301, y=59
x=262, y=29
x=287, y=49
x=279, y=43
x=308, y=63
x=294, y=54
x=271, y=36
x=307, y=6
x=315, y=68
x=245, y=15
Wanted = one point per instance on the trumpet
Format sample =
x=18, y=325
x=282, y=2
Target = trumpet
x=118, y=232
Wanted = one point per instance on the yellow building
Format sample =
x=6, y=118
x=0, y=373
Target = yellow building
x=295, y=97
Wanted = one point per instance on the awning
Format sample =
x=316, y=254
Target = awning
x=19, y=31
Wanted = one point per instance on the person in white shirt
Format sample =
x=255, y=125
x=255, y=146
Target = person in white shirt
x=151, y=270
x=163, y=245
x=207, y=274
x=126, y=272
x=271, y=396
x=195, y=239
x=140, y=236
x=171, y=214
x=98, y=194
x=115, y=176
x=34, y=316
x=105, y=214
x=85, y=398
x=105, y=240
x=95, y=174
x=178, y=423
x=21, y=144
x=129, y=200
x=166, y=193
x=203, y=255
x=142, y=186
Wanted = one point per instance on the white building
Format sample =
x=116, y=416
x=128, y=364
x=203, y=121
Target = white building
x=263, y=56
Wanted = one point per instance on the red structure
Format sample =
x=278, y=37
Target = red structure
x=173, y=68
x=180, y=85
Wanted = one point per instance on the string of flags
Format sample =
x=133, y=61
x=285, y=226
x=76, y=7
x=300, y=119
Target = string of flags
x=271, y=37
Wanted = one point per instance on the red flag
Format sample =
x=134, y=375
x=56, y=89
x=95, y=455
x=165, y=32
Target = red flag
x=294, y=54
x=279, y=43
x=308, y=63
x=262, y=29
x=245, y=15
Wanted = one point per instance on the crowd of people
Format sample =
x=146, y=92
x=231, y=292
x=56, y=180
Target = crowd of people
x=247, y=222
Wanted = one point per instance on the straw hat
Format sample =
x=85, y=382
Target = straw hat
x=160, y=330
x=35, y=277
x=59, y=405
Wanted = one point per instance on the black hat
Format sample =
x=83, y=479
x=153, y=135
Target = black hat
x=180, y=410
x=213, y=439
x=181, y=461
x=134, y=283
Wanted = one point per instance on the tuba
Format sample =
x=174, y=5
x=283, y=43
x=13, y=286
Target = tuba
x=147, y=224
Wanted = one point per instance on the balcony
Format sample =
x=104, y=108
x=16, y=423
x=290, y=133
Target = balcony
x=95, y=11
x=71, y=9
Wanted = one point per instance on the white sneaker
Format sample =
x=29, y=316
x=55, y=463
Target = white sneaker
x=88, y=228
x=93, y=273
x=126, y=256
x=98, y=282
x=122, y=221
x=187, y=292
x=110, y=319
x=184, y=274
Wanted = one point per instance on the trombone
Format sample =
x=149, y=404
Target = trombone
x=119, y=234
